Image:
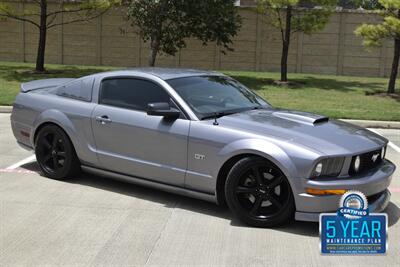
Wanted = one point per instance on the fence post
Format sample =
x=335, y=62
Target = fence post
x=99, y=25
x=217, y=58
x=382, y=60
x=341, y=43
x=61, y=39
x=139, y=59
x=258, y=42
x=22, y=33
x=299, y=58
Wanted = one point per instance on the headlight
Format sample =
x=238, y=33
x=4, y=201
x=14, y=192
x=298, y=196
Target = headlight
x=328, y=167
x=383, y=152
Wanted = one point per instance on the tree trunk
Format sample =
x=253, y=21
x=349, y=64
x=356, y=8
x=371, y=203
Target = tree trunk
x=286, y=44
x=395, y=67
x=42, y=36
x=154, y=47
x=284, y=59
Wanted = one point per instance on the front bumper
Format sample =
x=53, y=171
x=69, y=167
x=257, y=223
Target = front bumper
x=377, y=206
x=374, y=183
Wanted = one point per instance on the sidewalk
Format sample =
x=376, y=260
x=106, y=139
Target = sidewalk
x=375, y=124
x=5, y=109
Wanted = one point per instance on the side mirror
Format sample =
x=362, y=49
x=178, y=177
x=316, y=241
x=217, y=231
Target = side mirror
x=162, y=109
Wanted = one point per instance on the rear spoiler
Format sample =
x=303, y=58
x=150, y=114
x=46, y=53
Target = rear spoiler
x=42, y=84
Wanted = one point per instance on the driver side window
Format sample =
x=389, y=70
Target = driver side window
x=131, y=93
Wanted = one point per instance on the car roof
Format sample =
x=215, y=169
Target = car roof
x=164, y=73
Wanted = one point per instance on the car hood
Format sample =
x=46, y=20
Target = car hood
x=329, y=137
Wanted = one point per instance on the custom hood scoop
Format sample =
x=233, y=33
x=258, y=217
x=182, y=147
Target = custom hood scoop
x=301, y=117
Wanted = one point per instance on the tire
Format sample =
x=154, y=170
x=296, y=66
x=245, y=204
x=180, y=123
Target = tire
x=55, y=153
x=258, y=193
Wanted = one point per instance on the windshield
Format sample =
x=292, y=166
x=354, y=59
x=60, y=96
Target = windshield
x=212, y=95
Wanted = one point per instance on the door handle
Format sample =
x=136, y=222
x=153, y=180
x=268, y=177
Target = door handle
x=103, y=119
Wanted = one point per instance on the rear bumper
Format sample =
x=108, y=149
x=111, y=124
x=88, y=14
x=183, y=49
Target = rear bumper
x=22, y=133
x=374, y=185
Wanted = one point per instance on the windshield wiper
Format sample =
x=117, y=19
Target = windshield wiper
x=257, y=107
x=217, y=115
x=220, y=114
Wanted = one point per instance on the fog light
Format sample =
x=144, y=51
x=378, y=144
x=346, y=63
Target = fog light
x=322, y=192
x=357, y=163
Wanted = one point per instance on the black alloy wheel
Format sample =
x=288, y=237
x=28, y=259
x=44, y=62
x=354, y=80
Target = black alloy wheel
x=258, y=193
x=55, y=154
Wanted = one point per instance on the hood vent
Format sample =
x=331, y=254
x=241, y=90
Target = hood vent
x=301, y=117
x=321, y=120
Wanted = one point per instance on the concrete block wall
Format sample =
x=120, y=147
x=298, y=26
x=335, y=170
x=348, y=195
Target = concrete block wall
x=111, y=40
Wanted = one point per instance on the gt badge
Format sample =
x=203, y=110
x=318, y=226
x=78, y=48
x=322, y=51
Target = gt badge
x=199, y=156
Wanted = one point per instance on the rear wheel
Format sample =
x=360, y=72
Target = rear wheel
x=55, y=153
x=258, y=193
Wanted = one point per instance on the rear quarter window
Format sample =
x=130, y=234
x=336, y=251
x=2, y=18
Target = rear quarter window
x=80, y=89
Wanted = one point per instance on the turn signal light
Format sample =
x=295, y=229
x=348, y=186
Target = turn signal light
x=322, y=192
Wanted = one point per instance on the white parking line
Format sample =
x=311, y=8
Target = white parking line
x=22, y=162
x=395, y=147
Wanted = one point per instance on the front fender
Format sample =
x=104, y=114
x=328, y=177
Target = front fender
x=262, y=148
x=294, y=161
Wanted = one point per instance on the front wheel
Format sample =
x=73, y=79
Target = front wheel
x=258, y=193
x=55, y=153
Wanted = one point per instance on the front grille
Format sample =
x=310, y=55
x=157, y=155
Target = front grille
x=367, y=162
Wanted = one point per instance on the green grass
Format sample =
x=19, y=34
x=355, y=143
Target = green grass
x=334, y=96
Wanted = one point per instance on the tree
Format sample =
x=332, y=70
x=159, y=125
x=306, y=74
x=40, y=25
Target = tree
x=165, y=24
x=389, y=28
x=43, y=18
x=289, y=16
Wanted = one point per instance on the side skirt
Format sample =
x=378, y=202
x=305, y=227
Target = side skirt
x=148, y=183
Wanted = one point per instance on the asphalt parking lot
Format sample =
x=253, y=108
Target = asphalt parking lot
x=97, y=221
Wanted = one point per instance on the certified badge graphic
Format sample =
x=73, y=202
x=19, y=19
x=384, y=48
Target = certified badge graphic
x=353, y=205
x=353, y=230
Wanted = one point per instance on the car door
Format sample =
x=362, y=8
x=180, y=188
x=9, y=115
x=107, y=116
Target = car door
x=131, y=142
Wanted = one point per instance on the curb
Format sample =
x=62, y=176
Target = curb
x=375, y=124
x=361, y=123
x=5, y=109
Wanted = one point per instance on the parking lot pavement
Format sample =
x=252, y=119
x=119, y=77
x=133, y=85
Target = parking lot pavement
x=97, y=221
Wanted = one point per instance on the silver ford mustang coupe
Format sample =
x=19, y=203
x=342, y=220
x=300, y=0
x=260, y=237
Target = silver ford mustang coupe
x=204, y=135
